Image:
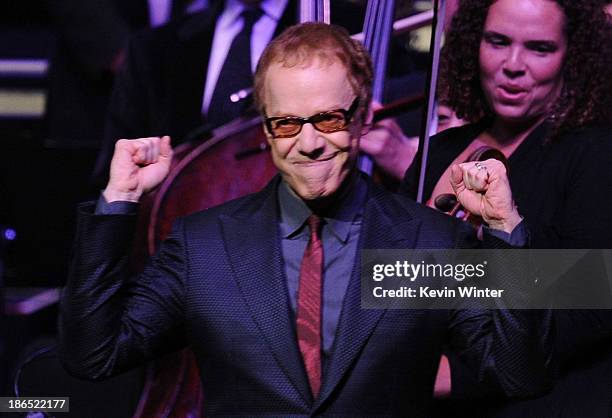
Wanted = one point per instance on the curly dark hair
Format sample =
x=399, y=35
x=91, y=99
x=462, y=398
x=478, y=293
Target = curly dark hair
x=587, y=91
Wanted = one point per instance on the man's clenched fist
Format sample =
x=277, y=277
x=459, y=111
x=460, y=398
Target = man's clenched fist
x=138, y=166
x=483, y=188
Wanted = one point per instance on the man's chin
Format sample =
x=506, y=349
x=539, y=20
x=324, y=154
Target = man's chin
x=318, y=187
x=313, y=194
x=322, y=195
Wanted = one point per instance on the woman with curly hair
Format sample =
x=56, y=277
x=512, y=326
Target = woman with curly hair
x=535, y=78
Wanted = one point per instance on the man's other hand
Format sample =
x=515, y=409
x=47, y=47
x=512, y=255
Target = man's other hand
x=138, y=166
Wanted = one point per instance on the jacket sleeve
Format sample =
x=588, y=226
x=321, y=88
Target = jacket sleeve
x=508, y=351
x=109, y=322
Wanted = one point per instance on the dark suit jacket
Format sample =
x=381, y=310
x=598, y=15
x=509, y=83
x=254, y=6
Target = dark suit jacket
x=218, y=284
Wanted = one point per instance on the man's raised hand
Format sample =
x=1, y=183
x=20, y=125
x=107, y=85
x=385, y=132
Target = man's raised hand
x=483, y=188
x=138, y=166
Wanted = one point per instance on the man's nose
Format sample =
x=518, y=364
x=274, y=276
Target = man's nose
x=310, y=141
x=514, y=64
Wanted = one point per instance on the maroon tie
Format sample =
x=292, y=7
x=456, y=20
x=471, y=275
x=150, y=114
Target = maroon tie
x=309, y=305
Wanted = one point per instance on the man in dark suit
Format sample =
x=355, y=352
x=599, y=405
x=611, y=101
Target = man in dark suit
x=266, y=289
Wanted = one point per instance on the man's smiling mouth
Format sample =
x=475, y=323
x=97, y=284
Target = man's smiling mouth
x=320, y=160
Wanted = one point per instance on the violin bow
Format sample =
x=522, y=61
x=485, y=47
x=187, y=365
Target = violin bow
x=430, y=93
x=377, y=29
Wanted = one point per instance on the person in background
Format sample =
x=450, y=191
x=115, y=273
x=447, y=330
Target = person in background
x=535, y=76
x=447, y=117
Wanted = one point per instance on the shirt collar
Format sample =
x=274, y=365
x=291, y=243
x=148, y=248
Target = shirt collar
x=346, y=211
x=274, y=8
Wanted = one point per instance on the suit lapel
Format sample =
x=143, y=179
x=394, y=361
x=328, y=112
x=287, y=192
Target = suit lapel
x=381, y=229
x=256, y=260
